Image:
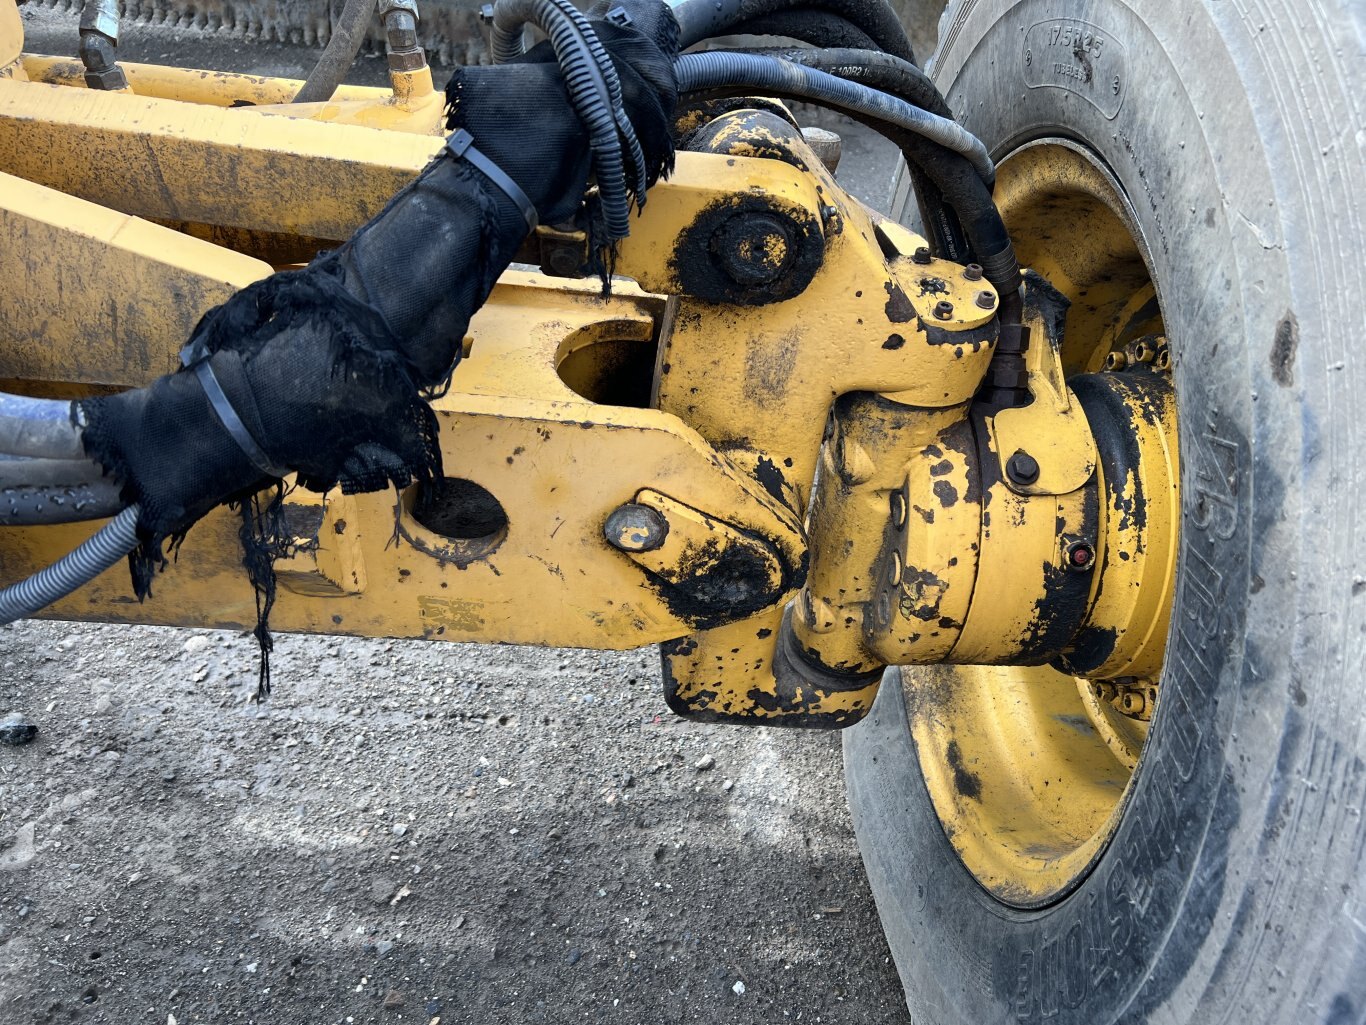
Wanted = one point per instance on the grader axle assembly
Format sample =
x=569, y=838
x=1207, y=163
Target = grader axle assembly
x=813, y=460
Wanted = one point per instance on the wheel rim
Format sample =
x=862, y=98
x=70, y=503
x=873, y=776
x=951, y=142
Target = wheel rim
x=1028, y=768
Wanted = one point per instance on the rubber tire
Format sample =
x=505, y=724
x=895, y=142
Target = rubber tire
x=1233, y=890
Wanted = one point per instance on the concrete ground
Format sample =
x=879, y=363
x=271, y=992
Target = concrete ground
x=406, y=831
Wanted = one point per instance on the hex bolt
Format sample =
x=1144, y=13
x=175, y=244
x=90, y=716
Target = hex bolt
x=1022, y=468
x=943, y=309
x=635, y=528
x=986, y=300
x=898, y=509
x=973, y=272
x=563, y=261
x=1081, y=556
x=921, y=254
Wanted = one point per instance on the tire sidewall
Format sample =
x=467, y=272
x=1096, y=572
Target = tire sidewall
x=1162, y=930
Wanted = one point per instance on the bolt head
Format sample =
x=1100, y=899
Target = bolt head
x=986, y=300
x=1081, y=556
x=1022, y=468
x=943, y=309
x=921, y=254
x=973, y=272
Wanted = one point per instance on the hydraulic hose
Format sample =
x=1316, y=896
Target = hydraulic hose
x=721, y=69
x=58, y=503
x=872, y=68
x=339, y=54
x=82, y=564
x=507, y=44
x=703, y=19
x=41, y=428
x=26, y=471
x=819, y=28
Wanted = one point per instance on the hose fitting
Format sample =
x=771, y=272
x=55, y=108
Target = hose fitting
x=99, y=38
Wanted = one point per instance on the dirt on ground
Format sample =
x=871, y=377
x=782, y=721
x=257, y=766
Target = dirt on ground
x=407, y=832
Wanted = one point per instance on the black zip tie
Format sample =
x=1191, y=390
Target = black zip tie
x=195, y=358
x=461, y=145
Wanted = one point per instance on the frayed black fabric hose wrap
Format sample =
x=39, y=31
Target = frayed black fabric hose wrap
x=329, y=367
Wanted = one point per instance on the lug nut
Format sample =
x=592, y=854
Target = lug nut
x=1022, y=468
x=1142, y=351
x=986, y=300
x=1116, y=361
x=973, y=272
x=1081, y=556
x=943, y=309
x=921, y=254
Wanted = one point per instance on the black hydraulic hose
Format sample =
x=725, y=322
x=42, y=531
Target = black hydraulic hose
x=82, y=564
x=900, y=78
x=704, y=19
x=339, y=54
x=876, y=70
x=40, y=428
x=723, y=69
x=58, y=503
x=587, y=86
x=820, y=28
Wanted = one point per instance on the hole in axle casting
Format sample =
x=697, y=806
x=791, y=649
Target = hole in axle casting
x=459, y=510
x=611, y=363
